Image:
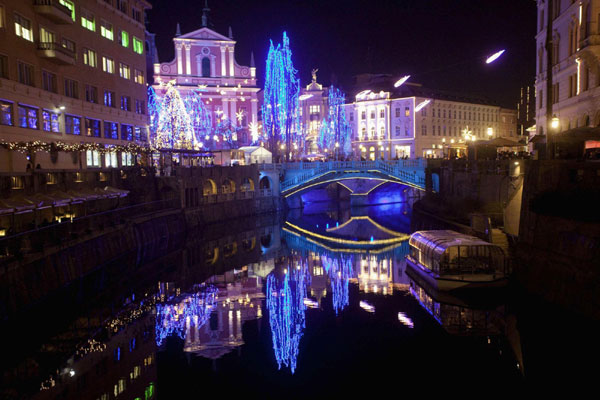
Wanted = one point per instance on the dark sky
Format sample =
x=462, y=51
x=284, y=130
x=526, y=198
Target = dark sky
x=437, y=42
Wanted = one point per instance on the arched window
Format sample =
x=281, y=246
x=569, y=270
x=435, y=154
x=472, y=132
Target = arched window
x=206, y=67
x=372, y=132
x=382, y=134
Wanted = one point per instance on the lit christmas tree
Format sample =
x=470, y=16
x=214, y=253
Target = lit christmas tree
x=175, y=129
x=199, y=116
x=154, y=105
x=280, y=110
x=335, y=130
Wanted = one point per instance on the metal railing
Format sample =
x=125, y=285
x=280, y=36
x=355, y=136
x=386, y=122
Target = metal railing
x=54, y=3
x=56, y=47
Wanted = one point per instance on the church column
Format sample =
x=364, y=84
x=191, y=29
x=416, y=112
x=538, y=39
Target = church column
x=233, y=112
x=231, y=69
x=188, y=59
x=178, y=47
x=254, y=110
x=213, y=71
x=223, y=65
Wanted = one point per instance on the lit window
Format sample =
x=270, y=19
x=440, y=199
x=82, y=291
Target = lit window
x=108, y=65
x=125, y=103
x=92, y=159
x=69, y=4
x=68, y=44
x=88, y=21
x=138, y=45
x=111, y=130
x=28, y=117
x=23, y=28
x=1, y=16
x=124, y=71
x=106, y=30
x=89, y=58
x=50, y=121
x=110, y=159
x=139, y=77
x=46, y=36
x=407, y=112
x=92, y=127
x=72, y=125
x=124, y=39
x=109, y=98
x=126, y=159
x=6, y=116
x=126, y=132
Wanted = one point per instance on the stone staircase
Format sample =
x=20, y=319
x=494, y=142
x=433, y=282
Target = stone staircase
x=500, y=238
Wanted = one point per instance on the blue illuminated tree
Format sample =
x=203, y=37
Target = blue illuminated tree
x=174, y=129
x=199, y=116
x=154, y=108
x=281, y=120
x=335, y=130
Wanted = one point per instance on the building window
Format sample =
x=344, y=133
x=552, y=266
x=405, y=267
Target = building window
x=397, y=131
x=109, y=98
x=47, y=36
x=6, y=110
x=139, y=76
x=127, y=161
x=138, y=45
x=313, y=109
x=121, y=5
x=126, y=132
x=49, y=81
x=51, y=179
x=382, y=113
x=136, y=14
x=50, y=121
x=68, y=44
x=373, y=114
x=17, y=182
x=126, y=103
x=111, y=130
x=3, y=66
x=407, y=112
x=206, y=67
x=124, y=71
x=108, y=65
x=92, y=127
x=372, y=135
x=423, y=130
x=140, y=107
x=110, y=159
x=2, y=23
x=72, y=125
x=71, y=88
x=90, y=58
x=124, y=39
x=140, y=134
x=25, y=73
x=23, y=28
x=106, y=30
x=92, y=158
x=381, y=132
x=363, y=115
x=87, y=20
x=28, y=117
x=397, y=111
x=70, y=6
x=91, y=94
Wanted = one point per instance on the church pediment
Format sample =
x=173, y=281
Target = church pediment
x=205, y=34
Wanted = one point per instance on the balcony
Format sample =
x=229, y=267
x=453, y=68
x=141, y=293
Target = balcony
x=589, y=50
x=56, y=53
x=53, y=10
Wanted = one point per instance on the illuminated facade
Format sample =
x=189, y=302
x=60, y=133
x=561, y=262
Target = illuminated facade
x=71, y=72
x=205, y=63
x=422, y=125
x=313, y=109
x=575, y=64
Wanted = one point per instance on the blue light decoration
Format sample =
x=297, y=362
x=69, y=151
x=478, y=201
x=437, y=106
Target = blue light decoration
x=285, y=302
x=335, y=130
x=174, y=128
x=227, y=132
x=340, y=271
x=281, y=120
x=154, y=110
x=199, y=116
x=194, y=310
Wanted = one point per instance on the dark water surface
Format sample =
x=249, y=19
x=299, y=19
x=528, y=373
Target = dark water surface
x=288, y=308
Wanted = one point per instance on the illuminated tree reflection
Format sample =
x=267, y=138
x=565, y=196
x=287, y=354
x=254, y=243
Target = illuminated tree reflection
x=340, y=271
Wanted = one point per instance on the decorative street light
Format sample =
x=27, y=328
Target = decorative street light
x=555, y=123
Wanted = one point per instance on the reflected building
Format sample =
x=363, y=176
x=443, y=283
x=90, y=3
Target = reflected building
x=380, y=274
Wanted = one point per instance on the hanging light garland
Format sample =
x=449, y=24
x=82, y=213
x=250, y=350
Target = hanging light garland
x=38, y=145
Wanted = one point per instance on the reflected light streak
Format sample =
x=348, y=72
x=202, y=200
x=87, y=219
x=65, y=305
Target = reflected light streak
x=366, y=306
x=405, y=320
x=422, y=105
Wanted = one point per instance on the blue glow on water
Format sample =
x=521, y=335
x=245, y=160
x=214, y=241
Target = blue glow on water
x=340, y=271
x=285, y=302
x=194, y=310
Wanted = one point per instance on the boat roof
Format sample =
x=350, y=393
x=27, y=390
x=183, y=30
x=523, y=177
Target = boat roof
x=440, y=240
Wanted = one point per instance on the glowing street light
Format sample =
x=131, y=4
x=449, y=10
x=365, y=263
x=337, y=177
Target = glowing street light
x=554, y=122
x=401, y=81
x=494, y=57
x=490, y=131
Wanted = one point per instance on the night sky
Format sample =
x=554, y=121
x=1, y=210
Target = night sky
x=437, y=42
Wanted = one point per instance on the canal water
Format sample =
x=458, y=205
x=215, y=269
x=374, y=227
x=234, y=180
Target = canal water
x=312, y=304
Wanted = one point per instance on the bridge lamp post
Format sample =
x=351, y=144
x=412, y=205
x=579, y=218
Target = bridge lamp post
x=337, y=151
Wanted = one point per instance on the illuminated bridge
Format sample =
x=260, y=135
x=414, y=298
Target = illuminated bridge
x=356, y=179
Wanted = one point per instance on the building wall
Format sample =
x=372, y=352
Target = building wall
x=17, y=91
x=391, y=128
x=227, y=89
x=314, y=108
x=575, y=70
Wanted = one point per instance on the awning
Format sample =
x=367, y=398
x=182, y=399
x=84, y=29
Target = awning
x=502, y=142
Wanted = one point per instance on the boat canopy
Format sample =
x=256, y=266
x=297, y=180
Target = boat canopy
x=445, y=246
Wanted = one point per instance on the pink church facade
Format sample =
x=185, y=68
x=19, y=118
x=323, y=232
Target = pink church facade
x=205, y=62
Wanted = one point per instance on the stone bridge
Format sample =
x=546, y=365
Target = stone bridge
x=360, y=178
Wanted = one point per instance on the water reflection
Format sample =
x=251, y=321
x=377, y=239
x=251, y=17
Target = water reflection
x=286, y=291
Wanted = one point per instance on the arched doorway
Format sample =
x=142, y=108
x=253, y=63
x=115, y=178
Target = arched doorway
x=228, y=186
x=247, y=185
x=372, y=153
x=206, y=67
x=209, y=187
x=265, y=183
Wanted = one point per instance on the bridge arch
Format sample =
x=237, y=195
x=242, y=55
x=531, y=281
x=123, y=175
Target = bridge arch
x=247, y=185
x=227, y=186
x=209, y=187
x=265, y=182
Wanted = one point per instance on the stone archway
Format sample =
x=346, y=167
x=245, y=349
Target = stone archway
x=209, y=187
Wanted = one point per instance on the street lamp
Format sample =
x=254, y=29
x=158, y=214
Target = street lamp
x=555, y=122
x=490, y=132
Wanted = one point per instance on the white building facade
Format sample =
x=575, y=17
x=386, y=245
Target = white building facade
x=421, y=127
x=575, y=93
